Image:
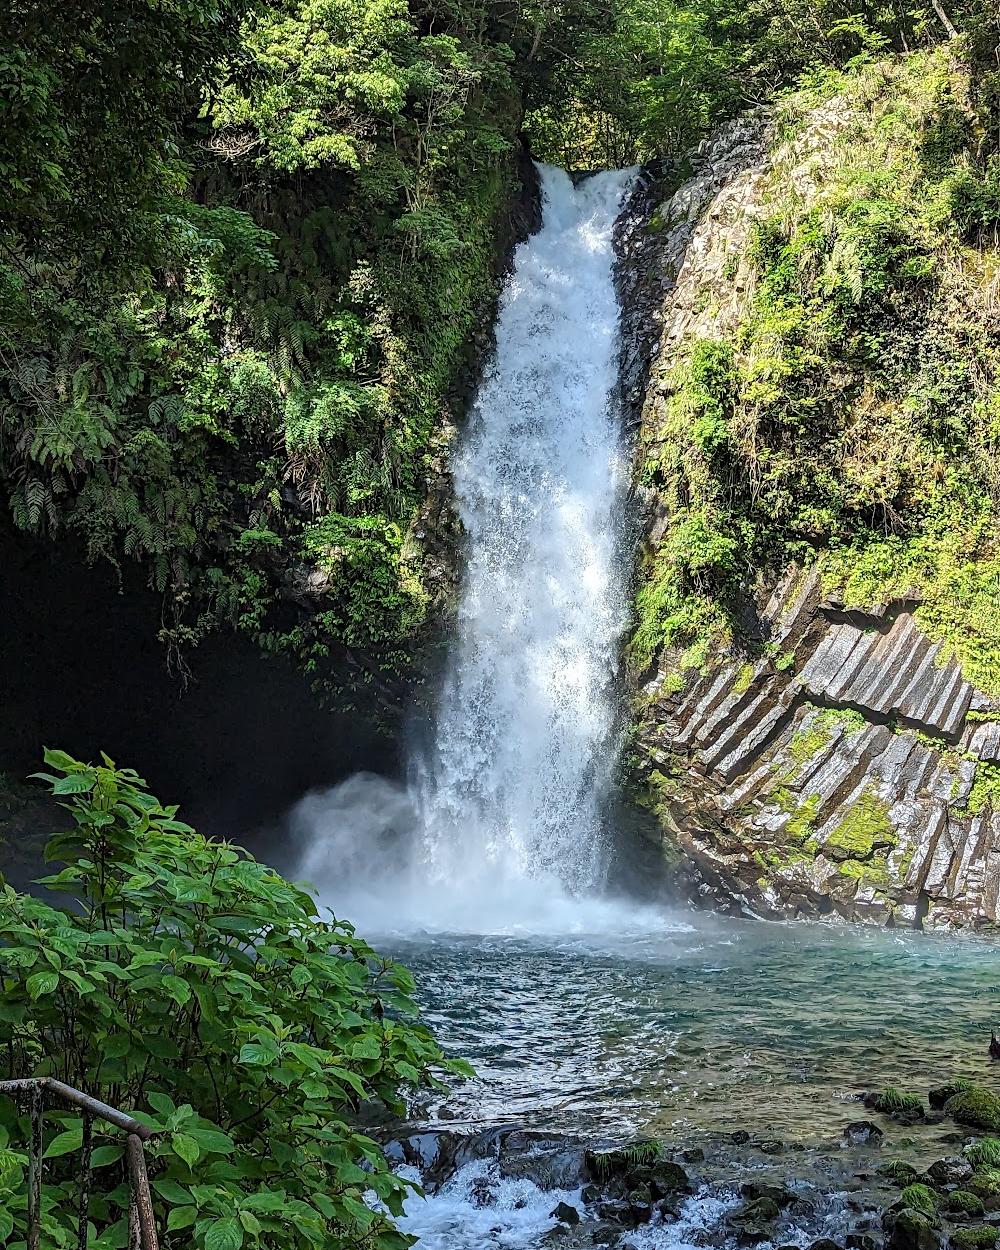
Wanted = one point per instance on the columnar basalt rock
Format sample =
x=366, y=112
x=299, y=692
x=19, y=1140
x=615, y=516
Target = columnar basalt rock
x=830, y=762
x=837, y=773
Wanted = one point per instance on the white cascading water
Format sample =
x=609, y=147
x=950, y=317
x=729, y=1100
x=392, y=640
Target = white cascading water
x=501, y=825
x=514, y=783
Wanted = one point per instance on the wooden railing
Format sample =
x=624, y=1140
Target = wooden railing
x=141, y=1228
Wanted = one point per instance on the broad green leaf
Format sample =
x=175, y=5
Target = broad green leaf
x=171, y=1192
x=103, y=1155
x=75, y=783
x=211, y=1141
x=224, y=1234
x=42, y=983
x=185, y=1147
x=64, y=1143
x=178, y=990
x=181, y=1217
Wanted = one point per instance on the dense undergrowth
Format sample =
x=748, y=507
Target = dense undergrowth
x=854, y=415
x=197, y=989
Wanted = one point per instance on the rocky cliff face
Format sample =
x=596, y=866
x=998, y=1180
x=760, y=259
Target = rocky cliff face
x=818, y=759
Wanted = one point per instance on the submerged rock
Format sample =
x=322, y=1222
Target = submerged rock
x=863, y=1133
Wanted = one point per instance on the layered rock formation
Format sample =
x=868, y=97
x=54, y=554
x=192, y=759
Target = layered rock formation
x=846, y=770
x=826, y=761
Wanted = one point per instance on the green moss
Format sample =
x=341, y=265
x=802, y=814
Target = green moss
x=897, y=1102
x=864, y=829
x=985, y=792
x=852, y=418
x=976, y=1107
x=985, y=1184
x=920, y=1198
x=743, y=679
x=982, y=1237
x=801, y=814
x=964, y=1203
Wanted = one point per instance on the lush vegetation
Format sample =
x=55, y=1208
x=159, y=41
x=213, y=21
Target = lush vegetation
x=853, y=415
x=189, y=983
x=246, y=245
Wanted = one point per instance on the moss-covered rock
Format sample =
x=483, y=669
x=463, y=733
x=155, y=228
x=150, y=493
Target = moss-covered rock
x=911, y=1230
x=902, y=1106
x=963, y=1202
x=976, y=1106
x=981, y=1237
x=920, y=1198
x=864, y=829
x=938, y=1096
x=985, y=1183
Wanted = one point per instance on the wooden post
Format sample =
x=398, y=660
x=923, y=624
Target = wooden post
x=35, y=1169
x=88, y=1132
x=141, y=1197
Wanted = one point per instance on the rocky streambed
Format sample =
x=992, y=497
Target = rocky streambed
x=903, y=1174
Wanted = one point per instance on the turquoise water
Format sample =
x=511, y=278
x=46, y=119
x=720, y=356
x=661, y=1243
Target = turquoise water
x=700, y=1025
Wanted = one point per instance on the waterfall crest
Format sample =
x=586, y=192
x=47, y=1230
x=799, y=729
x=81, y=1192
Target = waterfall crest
x=516, y=777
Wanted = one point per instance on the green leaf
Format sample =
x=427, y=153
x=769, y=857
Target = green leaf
x=171, y=1192
x=213, y=1142
x=224, y=1235
x=181, y=1217
x=104, y=1155
x=42, y=983
x=75, y=783
x=64, y=1143
x=178, y=990
x=6, y=1224
x=58, y=759
x=185, y=1147
x=255, y=1055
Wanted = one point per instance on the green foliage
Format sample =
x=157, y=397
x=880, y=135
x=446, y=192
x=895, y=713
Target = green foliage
x=984, y=1153
x=192, y=985
x=851, y=418
x=616, y=85
x=305, y=201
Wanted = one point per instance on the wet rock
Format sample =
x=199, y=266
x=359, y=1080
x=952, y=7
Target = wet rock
x=824, y=1243
x=694, y=1154
x=910, y=1230
x=754, y=1221
x=667, y=1177
x=740, y=1137
x=565, y=1213
x=863, y=1133
x=952, y=1170
x=862, y=1241
x=590, y=1194
x=938, y=1096
x=778, y=1194
x=606, y=1235
x=772, y=1147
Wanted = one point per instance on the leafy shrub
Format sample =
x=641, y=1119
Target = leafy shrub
x=197, y=988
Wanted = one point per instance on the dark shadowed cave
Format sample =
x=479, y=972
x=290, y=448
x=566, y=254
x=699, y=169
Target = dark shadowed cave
x=81, y=668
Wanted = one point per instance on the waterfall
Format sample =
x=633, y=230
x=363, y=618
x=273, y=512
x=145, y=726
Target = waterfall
x=514, y=783
x=501, y=824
